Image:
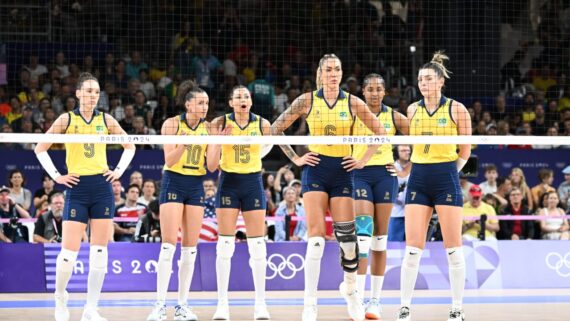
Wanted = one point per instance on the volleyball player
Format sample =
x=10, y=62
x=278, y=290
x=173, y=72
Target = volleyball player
x=375, y=192
x=89, y=195
x=241, y=189
x=182, y=196
x=434, y=183
x=328, y=181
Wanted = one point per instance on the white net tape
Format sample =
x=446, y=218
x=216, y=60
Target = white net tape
x=285, y=140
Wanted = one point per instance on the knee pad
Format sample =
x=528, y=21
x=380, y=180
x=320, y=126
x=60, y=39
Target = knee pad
x=257, y=248
x=188, y=255
x=455, y=258
x=379, y=243
x=66, y=260
x=98, y=258
x=412, y=257
x=225, y=246
x=166, y=252
x=364, y=225
x=315, y=248
x=348, y=243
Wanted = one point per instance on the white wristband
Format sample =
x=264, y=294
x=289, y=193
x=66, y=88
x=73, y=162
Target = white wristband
x=460, y=162
x=48, y=165
x=124, y=162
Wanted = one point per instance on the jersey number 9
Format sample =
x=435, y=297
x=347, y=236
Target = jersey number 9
x=89, y=150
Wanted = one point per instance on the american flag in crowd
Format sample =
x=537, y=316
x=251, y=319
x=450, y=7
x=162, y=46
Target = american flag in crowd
x=209, y=231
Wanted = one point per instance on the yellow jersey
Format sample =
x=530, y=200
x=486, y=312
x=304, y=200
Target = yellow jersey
x=439, y=123
x=193, y=159
x=383, y=154
x=326, y=120
x=242, y=159
x=86, y=159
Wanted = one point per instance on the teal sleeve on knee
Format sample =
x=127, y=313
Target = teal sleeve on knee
x=364, y=225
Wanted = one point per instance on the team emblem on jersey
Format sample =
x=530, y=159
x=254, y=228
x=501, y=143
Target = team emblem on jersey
x=387, y=125
x=99, y=129
x=253, y=134
x=449, y=198
x=343, y=115
x=442, y=122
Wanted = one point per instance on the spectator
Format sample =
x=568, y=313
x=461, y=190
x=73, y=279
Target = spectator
x=148, y=226
x=518, y=180
x=475, y=207
x=115, y=108
x=515, y=229
x=290, y=208
x=15, y=109
x=43, y=194
x=149, y=192
x=283, y=177
x=546, y=177
x=135, y=65
x=19, y=194
x=136, y=178
x=162, y=112
x=270, y=195
x=13, y=211
x=564, y=189
x=205, y=67
x=538, y=124
x=465, y=185
x=127, y=122
x=61, y=65
x=296, y=184
x=146, y=85
x=117, y=193
x=396, y=230
x=489, y=186
x=504, y=187
x=48, y=227
x=556, y=226
x=125, y=231
x=263, y=97
x=35, y=68
x=500, y=112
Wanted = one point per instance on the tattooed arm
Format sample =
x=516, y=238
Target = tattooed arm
x=299, y=107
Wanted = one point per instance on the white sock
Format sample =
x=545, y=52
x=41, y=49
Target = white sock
x=185, y=273
x=361, y=284
x=98, y=258
x=315, y=250
x=350, y=279
x=376, y=286
x=164, y=270
x=258, y=262
x=456, y=261
x=409, y=274
x=64, y=269
x=224, y=252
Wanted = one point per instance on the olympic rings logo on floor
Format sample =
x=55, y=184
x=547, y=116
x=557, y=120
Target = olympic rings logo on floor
x=286, y=268
x=555, y=261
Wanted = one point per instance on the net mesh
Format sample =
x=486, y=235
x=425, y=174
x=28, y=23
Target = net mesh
x=161, y=67
x=508, y=67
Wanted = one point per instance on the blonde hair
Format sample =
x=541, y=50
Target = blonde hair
x=437, y=64
x=320, y=71
x=522, y=185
